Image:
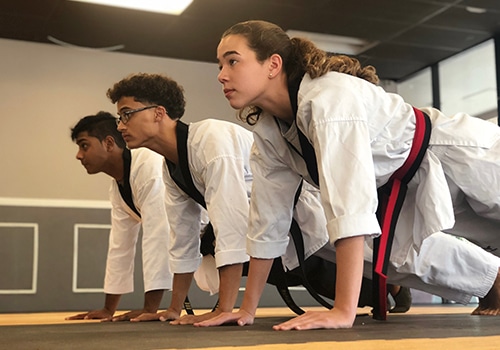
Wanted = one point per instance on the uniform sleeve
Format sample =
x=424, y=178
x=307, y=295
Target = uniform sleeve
x=185, y=227
x=272, y=198
x=227, y=205
x=119, y=278
x=150, y=198
x=336, y=124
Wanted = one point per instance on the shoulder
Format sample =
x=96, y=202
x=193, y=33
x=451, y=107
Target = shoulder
x=145, y=154
x=144, y=159
x=213, y=127
x=218, y=135
x=340, y=84
x=337, y=96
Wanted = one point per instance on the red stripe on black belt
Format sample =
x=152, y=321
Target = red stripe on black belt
x=391, y=198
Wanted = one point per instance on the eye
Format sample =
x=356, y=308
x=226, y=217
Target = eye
x=232, y=61
x=125, y=113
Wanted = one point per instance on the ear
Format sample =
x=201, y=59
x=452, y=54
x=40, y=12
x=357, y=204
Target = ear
x=160, y=112
x=109, y=143
x=275, y=65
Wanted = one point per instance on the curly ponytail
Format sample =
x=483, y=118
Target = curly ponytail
x=299, y=56
x=317, y=62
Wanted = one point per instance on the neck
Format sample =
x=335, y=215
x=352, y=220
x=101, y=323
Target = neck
x=278, y=103
x=281, y=109
x=115, y=169
x=165, y=143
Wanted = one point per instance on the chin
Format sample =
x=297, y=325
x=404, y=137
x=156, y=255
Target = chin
x=236, y=105
x=132, y=145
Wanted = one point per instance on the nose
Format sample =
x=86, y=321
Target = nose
x=221, y=77
x=79, y=155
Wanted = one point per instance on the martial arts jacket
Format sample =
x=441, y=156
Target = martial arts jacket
x=361, y=135
x=147, y=174
x=218, y=154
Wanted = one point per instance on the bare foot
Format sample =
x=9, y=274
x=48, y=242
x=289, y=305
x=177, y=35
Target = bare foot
x=490, y=304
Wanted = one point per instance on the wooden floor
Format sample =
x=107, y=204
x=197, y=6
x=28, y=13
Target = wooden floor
x=44, y=318
x=446, y=342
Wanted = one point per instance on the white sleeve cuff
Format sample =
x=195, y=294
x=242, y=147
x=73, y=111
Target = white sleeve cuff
x=231, y=257
x=351, y=226
x=266, y=249
x=185, y=266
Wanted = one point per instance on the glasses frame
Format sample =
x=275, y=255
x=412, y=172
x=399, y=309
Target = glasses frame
x=125, y=116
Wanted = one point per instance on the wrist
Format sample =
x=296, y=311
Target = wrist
x=248, y=310
x=150, y=310
x=109, y=310
x=175, y=311
x=248, y=313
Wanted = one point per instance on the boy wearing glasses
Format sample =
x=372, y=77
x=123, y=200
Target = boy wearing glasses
x=149, y=108
x=137, y=196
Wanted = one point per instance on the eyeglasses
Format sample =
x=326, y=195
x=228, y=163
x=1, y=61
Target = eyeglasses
x=125, y=116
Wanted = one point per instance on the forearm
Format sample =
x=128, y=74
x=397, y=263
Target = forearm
x=181, y=284
x=111, y=302
x=349, y=253
x=152, y=300
x=257, y=277
x=230, y=277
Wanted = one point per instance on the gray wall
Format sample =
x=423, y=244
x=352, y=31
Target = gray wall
x=52, y=258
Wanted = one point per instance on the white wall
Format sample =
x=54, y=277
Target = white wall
x=45, y=89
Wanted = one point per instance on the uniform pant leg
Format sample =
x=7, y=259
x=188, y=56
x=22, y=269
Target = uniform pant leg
x=479, y=230
x=448, y=266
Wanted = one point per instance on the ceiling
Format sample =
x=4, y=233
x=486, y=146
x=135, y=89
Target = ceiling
x=407, y=35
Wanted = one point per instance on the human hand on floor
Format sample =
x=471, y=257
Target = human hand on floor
x=129, y=316
x=241, y=317
x=192, y=319
x=102, y=314
x=330, y=319
x=168, y=315
x=146, y=317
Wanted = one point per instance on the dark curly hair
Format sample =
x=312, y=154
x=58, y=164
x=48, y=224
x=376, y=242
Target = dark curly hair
x=100, y=126
x=154, y=89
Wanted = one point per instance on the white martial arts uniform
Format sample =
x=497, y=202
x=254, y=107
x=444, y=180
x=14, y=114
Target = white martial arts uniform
x=219, y=164
x=361, y=135
x=147, y=173
x=219, y=161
